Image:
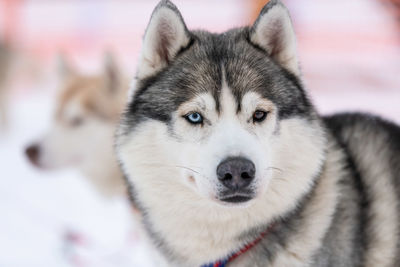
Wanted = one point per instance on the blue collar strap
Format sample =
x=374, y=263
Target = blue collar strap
x=217, y=264
x=224, y=262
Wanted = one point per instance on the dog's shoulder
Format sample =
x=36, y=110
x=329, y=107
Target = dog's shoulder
x=362, y=126
x=372, y=146
x=369, y=139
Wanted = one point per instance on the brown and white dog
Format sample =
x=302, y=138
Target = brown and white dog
x=88, y=108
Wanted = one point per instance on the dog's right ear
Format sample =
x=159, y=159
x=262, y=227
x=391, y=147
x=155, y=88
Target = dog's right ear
x=165, y=35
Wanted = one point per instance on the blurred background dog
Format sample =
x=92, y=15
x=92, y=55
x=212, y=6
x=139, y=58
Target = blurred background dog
x=81, y=135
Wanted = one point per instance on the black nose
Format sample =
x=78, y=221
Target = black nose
x=33, y=153
x=236, y=173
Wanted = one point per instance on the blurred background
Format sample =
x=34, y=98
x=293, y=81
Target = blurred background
x=350, y=58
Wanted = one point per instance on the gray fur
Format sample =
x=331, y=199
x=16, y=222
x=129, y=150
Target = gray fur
x=201, y=67
x=198, y=69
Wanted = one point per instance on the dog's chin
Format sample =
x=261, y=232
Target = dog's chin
x=44, y=165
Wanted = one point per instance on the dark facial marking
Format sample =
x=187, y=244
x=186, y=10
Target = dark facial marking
x=199, y=68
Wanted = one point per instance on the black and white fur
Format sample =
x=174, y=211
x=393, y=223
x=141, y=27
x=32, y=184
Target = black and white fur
x=329, y=186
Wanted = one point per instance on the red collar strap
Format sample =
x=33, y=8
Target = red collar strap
x=232, y=257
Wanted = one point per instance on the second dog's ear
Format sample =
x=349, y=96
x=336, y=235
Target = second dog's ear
x=111, y=73
x=64, y=68
x=273, y=32
x=165, y=35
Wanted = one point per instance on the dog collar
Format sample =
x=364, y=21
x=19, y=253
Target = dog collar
x=233, y=256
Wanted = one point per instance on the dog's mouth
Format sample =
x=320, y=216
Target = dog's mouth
x=236, y=199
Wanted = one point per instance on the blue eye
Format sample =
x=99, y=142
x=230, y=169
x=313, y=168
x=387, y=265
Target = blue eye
x=194, y=118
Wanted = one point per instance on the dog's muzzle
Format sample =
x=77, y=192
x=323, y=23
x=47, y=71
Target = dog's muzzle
x=236, y=175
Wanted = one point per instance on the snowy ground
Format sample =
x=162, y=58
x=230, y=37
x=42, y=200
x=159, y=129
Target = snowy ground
x=350, y=62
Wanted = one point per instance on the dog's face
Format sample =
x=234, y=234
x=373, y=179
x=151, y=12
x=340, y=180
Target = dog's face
x=225, y=144
x=220, y=118
x=84, y=121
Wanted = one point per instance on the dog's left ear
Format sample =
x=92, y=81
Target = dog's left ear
x=65, y=70
x=165, y=35
x=273, y=32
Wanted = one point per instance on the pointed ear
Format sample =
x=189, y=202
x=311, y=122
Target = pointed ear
x=111, y=73
x=165, y=35
x=64, y=68
x=273, y=32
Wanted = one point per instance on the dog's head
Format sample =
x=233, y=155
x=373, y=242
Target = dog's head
x=220, y=118
x=87, y=111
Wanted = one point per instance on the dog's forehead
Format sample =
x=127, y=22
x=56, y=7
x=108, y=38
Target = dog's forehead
x=246, y=68
x=82, y=95
x=228, y=104
x=79, y=87
x=228, y=59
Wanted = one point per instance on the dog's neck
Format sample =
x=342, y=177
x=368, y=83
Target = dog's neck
x=191, y=233
x=107, y=177
x=241, y=251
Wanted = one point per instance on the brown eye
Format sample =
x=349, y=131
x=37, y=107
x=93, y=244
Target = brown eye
x=259, y=116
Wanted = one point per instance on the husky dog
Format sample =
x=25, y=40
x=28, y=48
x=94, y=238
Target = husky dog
x=87, y=113
x=230, y=164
